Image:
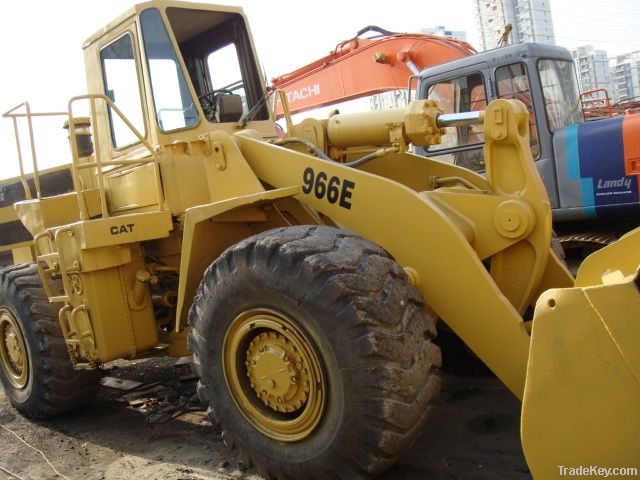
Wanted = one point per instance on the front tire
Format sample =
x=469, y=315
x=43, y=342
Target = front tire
x=35, y=367
x=314, y=353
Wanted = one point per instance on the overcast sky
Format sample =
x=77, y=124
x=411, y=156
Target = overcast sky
x=41, y=56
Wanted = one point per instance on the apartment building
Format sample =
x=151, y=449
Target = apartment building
x=530, y=21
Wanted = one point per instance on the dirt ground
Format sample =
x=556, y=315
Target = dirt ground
x=473, y=435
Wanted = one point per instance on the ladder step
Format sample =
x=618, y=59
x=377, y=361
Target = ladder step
x=48, y=256
x=61, y=298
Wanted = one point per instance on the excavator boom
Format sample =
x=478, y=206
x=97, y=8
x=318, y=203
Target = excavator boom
x=360, y=67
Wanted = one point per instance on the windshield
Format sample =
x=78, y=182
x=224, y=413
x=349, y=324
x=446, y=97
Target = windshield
x=174, y=106
x=561, y=93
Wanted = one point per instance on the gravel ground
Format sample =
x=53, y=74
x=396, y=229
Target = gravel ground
x=474, y=434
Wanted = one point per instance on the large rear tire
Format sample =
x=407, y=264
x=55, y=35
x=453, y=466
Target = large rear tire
x=314, y=353
x=35, y=367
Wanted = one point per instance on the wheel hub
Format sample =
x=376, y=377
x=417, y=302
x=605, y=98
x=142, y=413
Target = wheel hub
x=13, y=353
x=277, y=372
x=16, y=355
x=274, y=374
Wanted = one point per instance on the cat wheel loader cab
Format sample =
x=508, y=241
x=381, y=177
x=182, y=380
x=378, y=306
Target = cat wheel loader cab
x=305, y=274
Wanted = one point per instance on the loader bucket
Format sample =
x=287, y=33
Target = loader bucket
x=581, y=407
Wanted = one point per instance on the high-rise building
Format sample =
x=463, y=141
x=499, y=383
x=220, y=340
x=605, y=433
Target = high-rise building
x=441, y=31
x=530, y=21
x=592, y=67
x=625, y=73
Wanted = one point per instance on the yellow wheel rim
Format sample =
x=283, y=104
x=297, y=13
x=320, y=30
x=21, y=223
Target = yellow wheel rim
x=13, y=351
x=274, y=374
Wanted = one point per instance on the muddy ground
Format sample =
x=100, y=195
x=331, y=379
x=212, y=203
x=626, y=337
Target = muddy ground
x=473, y=435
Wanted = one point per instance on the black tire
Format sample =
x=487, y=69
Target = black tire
x=28, y=321
x=366, y=323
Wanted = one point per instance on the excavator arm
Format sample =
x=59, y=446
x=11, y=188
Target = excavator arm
x=360, y=67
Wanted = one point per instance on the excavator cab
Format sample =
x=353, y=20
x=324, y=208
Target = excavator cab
x=541, y=77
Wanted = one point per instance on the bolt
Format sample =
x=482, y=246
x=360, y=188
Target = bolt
x=280, y=400
x=272, y=384
x=293, y=380
x=286, y=359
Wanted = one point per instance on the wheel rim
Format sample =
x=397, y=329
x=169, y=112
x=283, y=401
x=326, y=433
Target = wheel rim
x=13, y=350
x=274, y=375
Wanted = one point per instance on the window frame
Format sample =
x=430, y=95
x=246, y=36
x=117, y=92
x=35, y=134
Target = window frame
x=544, y=98
x=131, y=31
x=233, y=30
x=464, y=73
x=180, y=68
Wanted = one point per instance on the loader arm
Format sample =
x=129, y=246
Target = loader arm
x=440, y=240
x=479, y=253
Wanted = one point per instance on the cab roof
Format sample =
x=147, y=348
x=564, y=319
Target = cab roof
x=497, y=56
x=162, y=5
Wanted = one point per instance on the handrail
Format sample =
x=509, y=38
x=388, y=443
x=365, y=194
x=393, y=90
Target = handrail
x=28, y=114
x=76, y=165
x=592, y=109
x=98, y=163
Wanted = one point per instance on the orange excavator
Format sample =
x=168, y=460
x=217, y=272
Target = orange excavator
x=360, y=67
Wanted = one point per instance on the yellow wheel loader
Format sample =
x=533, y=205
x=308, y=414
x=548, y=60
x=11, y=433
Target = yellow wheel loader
x=304, y=273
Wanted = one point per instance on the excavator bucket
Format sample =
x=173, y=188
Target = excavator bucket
x=581, y=407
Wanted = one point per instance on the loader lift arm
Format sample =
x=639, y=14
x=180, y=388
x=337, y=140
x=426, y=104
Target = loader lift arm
x=580, y=353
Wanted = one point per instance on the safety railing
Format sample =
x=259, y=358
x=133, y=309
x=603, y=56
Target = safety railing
x=14, y=114
x=78, y=163
x=98, y=163
x=595, y=106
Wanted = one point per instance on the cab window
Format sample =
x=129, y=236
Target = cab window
x=217, y=52
x=121, y=85
x=174, y=106
x=461, y=94
x=513, y=83
x=561, y=93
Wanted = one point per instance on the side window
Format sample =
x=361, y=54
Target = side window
x=561, y=93
x=461, y=94
x=121, y=84
x=217, y=53
x=512, y=82
x=174, y=106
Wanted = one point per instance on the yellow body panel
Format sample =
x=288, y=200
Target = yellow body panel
x=206, y=236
